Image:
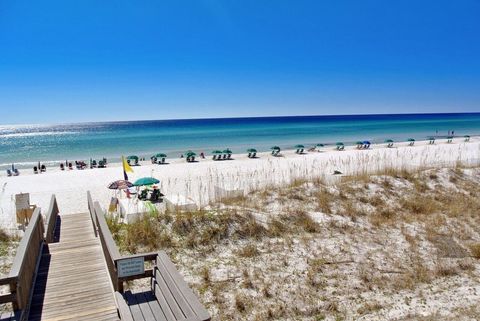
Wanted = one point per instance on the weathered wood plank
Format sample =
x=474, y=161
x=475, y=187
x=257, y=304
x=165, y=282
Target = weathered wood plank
x=187, y=293
x=134, y=308
x=72, y=281
x=51, y=220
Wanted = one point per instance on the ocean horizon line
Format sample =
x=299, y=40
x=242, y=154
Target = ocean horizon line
x=233, y=117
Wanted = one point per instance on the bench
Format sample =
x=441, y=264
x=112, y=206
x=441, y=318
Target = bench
x=168, y=299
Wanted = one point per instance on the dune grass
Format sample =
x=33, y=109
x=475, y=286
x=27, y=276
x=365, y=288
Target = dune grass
x=312, y=251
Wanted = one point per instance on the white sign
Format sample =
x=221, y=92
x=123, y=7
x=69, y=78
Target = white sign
x=129, y=267
x=22, y=201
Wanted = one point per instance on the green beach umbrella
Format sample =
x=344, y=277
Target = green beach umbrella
x=320, y=145
x=251, y=150
x=340, y=144
x=159, y=155
x=190, y=153
x=466, y=136
x=299, y=146
x=431, y=138
x=410, y=140
x=227, y=151
x=449, y=137
x=357, y=143
x=144, y=181
x=217, y=152
x=134, y=157
x=275, y=148
x=388, y=141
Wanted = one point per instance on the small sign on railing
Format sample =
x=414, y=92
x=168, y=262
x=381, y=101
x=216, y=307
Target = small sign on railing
x=129, y=267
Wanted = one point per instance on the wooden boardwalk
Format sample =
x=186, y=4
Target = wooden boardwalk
x=72, y=281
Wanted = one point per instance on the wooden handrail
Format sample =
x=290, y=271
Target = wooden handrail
x=51, y=220
x=110, y=250
x=24, y=264
x=91, y=209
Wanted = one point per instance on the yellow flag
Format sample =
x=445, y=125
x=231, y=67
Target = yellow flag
x=126, y=167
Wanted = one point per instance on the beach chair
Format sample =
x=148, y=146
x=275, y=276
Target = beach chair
x=62, y=167
x=254, y=155
x=229, y=156
x=94, y=163
x=70, y=166
x=143, y=194
x=35, y=169
x=43, y=168
x=9, y=172
x=16, y=172
x=155, y=195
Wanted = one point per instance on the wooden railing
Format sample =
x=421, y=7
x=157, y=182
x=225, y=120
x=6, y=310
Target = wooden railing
x=51, y=220
x=91, y=209
x=112, y=254
x=24, y=265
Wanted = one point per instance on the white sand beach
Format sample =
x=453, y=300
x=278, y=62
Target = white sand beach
x=198, y=180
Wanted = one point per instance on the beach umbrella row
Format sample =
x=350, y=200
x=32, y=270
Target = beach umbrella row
x=226, y=153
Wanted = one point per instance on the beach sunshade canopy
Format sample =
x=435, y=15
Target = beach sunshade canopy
x=388, y=141
x=190, y=153
x=159, y=155
x=217, y=152
x=320, y=145
x=467, y=136
x=299, y=146
x=120, y=184
x=133, y=157
x=251, y=150
x=227, y=151
x=366, y=142
x=410, y=140
x=144, y=181
x=339, y=144
x=275, y=148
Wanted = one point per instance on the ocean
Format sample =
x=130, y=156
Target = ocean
x=25, y=145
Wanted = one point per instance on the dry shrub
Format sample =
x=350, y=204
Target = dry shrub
x=475, y=249
x=276, y=228
x=141, y=233
x=419, y=204
x=205, y=275
x=369, y=307
x=249, y=250
x=249, y=228
x=445, y=270
x=302, y=220
x=383, y=216
x=241, y=303
x=324, y=200
x=376, y=201
x=4, y=236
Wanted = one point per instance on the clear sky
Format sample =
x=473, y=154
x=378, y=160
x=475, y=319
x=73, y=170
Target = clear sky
x=68, y=61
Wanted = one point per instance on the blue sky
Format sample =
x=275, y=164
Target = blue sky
x=68, y=61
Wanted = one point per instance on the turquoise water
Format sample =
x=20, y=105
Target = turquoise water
x=26, y=145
